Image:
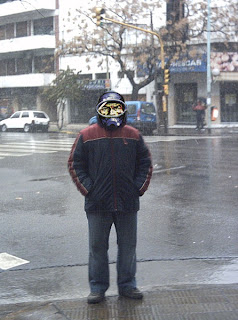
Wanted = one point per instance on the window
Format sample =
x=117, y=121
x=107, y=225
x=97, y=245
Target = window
x=11, y=67
x=148, y=108
x=21, y=29
x=25, y=115
x=131, y=109
x=10, y=31
x=44, y=64
x=2, y=68
x=43, y=26
x=39, y=115
x=16, y=115
x=175, y=11
x=88, y=76
x=2, y=32
x=100, y=76
x=229, y=102
x=24, y=66
x=185, y=96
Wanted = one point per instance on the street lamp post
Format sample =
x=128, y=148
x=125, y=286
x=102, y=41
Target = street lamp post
x=209, y=64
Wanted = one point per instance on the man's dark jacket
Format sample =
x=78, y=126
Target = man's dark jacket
x=110, y=168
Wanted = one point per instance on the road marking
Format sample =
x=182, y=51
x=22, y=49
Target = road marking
x=13, y=154
x=33, y=147
x=27, y=148
x=8, y=261
x=153, y=139
x=168, y=169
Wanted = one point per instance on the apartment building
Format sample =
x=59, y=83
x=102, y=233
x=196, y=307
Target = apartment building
x=28, y=35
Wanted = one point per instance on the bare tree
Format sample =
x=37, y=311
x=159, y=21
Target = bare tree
x=133, y=49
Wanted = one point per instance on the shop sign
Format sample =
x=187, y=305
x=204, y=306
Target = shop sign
x=223, y=61
x=99, y=84
x=189, y=64
x=181, y=65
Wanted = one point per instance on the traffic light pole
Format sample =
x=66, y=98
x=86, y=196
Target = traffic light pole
x=165, y=97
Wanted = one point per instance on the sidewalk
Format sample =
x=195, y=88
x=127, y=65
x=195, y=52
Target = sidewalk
x=184, y=302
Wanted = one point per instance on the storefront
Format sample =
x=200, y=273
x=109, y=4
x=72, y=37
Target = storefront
x=81, y=112
x=189, y=82
x=229, y=101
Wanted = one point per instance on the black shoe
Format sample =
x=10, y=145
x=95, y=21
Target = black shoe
x=95, y=297
x=132, y=293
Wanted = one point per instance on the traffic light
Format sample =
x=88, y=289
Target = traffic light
x=166, y=89
x=98, y=16
x=166, y=76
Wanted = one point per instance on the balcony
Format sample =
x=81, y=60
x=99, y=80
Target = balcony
x=19, y=11
x=27, y=80
x=13, y=46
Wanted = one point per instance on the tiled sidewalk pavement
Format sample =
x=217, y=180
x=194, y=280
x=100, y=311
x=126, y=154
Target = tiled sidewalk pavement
x=191, y=302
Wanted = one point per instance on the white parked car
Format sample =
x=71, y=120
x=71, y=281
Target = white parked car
x=28, y=120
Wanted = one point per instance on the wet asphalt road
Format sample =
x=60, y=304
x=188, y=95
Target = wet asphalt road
x=189, y=211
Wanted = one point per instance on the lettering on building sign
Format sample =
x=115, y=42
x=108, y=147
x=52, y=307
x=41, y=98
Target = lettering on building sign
x=187, y=63
x=96, y=84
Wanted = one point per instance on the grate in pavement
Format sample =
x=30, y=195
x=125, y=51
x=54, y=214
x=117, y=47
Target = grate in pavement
x=209, y=303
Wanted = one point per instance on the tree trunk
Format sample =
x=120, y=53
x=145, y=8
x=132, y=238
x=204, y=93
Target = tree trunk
x=135, y=92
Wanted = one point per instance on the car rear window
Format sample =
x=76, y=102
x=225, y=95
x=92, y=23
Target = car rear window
x=39, y=115
x=131, y=108
x=147, y=108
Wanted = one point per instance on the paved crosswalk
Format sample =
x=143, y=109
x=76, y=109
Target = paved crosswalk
x=29, y=147
x=22, y=148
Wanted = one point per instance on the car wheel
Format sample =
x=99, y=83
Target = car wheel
x=4, y=128
x=27, y=128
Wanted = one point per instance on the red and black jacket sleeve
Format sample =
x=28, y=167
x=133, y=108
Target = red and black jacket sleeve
x=144, y=167
x=78, y=166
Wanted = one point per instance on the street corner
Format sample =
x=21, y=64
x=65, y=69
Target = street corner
x=45, y=311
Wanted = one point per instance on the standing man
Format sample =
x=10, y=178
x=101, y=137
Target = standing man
x=200, y=114
x=111, y=166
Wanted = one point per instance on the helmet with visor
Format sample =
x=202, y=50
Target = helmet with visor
x=111, y=110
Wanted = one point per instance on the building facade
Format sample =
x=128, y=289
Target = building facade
x=28, y=35
x=188, y=76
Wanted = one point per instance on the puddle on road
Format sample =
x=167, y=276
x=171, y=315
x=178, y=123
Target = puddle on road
x=228, y=273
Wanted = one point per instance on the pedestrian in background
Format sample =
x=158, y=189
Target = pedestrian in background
x=111, y=166
x=200, y=114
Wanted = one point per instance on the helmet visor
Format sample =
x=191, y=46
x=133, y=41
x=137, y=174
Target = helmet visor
x=111, y=109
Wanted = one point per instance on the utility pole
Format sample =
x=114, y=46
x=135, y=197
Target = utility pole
x=209, y=64
x=158, y=103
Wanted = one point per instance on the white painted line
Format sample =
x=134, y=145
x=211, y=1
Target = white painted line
x=40, y=143
x=14, y=154
x=153, y=139
x=169, y=169
x=34, y=147
x=13, y=150
x=7, y=261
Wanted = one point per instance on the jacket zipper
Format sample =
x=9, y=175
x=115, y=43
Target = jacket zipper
x=113, y=173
